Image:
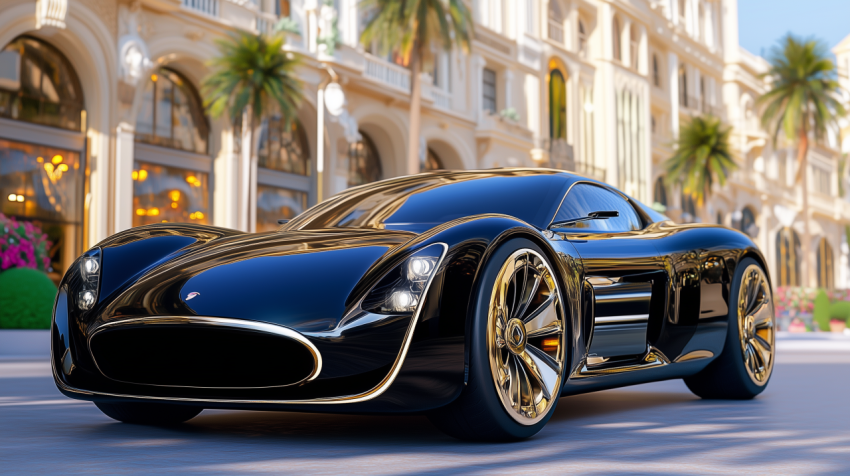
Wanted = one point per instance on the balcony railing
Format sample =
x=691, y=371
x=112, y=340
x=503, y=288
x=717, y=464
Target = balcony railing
x=207, y=7
x=265, y=23
x=556, y=31
x=388, y=73
x=442, y=99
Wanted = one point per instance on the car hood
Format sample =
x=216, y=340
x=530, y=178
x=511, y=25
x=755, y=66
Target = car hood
x=297, y=279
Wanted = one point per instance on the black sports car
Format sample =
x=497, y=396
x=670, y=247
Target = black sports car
x=475, y=297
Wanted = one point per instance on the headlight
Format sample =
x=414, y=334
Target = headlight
x=401, y=290
x=90, y=274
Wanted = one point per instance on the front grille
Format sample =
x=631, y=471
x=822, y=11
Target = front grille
x=197, y=355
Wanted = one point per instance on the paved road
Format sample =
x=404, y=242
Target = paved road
x=800, y=425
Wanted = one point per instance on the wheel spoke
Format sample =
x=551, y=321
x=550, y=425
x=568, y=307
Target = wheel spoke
x=529, y=295
x=542, y=368
x=761, y=313
x=542, y=317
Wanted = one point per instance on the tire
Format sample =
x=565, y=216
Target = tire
x=157, y=414
x=731, y=376
x=486, y=411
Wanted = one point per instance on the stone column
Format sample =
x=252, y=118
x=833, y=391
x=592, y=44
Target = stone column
x=673, y=81
x=509, y=84
x=475, y=85
x=122, y=209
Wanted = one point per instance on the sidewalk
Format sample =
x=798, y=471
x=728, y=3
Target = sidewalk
x=19, y=344
x=812, y=341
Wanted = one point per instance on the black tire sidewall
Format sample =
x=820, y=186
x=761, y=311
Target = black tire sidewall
x=480, y=376
x=732, y=348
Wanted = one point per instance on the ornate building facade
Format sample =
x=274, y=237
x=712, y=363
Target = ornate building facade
x=102, y=126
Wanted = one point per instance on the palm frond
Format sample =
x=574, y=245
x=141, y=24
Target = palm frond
x=252, y=70
x=703, y=155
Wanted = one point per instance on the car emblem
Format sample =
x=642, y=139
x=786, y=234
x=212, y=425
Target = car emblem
x=192, y=296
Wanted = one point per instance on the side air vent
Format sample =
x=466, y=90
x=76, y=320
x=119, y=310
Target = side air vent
x=205, y=354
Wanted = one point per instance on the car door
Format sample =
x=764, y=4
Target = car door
x=624, y=277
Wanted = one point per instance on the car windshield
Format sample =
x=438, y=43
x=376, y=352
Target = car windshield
x=420, y=202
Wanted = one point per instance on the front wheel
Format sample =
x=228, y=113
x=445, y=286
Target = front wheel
x=743, y=369
x=149, y=413
x=518, y=348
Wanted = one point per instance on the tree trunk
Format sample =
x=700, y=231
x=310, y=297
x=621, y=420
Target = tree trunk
x=252, y=177
x=802, y=177
x=246, y=151
x=413, y=165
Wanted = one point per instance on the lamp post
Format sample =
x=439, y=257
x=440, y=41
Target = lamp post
x=330, y=95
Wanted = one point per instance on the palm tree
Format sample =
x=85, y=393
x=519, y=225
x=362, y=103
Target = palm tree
x=252, y=77
x=409, y=29
x=703, y=156
x=803, y=102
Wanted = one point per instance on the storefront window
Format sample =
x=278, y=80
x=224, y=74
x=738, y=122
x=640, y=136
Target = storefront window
x=37, y=84
x=169, y=194
x=364, y=164
x=275, y=203
x=283, y=147
x=432, y=162
x=171, y=114
x=44, y=185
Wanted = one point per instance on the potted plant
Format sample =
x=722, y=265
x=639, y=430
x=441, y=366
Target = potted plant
x=797, y=326
x=838, y=315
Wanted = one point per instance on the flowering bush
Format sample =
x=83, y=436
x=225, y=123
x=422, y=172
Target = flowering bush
x=22, y=245
x=794, y=300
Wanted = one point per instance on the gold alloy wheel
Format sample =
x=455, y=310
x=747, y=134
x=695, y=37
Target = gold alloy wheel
x=525, y=336
x=755, y=324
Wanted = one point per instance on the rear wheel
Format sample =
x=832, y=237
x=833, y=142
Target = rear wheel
x=149, y=413
x=517, y=354
x=743, y=369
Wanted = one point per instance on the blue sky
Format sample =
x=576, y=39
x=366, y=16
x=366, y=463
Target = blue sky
x=762, y=22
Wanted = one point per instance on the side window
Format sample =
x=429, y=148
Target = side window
x=583, y=199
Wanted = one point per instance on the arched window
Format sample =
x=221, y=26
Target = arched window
x=701, y=22
x=432, y=161
x=171, y=114
x=616, y=39
x=748, y=222
x=582, y=39
x=656, y=72
x=557, y=105
x=825, y=265
x=659, y=195
x=683, y=86
x=556, y=22
x=788, y=257
x=284, y=147
x=283, y=8
x=38, y=182
x=38, y=85
x=364, y=163
x=634, y=36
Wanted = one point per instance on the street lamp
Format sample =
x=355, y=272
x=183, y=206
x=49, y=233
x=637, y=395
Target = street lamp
x=330, y=95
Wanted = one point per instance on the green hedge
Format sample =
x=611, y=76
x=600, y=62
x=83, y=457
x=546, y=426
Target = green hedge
x=26, y=299
x=840, y=311
x=820, y=316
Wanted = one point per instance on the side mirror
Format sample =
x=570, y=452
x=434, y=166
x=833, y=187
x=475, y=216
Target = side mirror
x=600, y=215
x=283, y=221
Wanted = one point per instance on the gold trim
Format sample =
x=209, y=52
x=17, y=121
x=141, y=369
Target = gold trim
x=362, y=397
x=694, y=355
x=653, y=358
